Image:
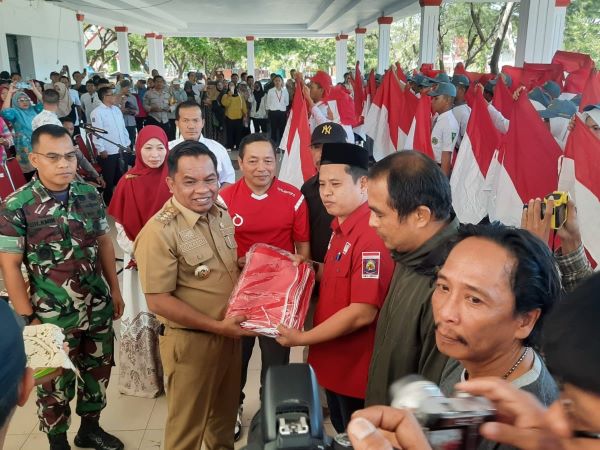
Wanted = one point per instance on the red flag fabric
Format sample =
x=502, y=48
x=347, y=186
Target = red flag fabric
x=469, y=196
x=580, y=176
x=579, y=67
x=383, y=121
x=591, y=93
x=503, y=100
x=297, y=165
x=400, y=72
x=529, y=157
x=516, y=74
x=359, y=94
x=537, y=74
x=419, y=137
x=339, y=99
x=428, y=70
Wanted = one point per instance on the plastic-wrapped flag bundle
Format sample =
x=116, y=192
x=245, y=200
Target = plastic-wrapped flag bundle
x=271, y=291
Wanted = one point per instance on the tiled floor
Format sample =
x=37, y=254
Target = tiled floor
x=138, y=422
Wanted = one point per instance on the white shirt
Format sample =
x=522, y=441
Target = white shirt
x=77, y=102
x=444, y=135
x=224, y=166
x=500, y=122
x=89, y=103
x=110, y=118
x=45, y=118
x=277, y=100
x=462, y=113
x=319, y=114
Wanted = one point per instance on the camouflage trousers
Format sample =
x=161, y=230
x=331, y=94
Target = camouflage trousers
x=91, y=350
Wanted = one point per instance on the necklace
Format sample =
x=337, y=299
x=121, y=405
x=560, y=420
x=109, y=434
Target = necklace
x=519, y=361
x=512, y=369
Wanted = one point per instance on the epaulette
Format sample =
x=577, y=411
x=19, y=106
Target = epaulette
x=167, y=215
x=129, y=176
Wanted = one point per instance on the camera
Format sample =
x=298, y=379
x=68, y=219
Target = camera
x=559, y=213
x=291, y=416
x=448, y=422
x=22, y=85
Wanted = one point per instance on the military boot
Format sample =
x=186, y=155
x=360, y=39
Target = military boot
x=59, y=441
x=91, y=435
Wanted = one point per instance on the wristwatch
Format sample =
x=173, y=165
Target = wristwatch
x=29, y=318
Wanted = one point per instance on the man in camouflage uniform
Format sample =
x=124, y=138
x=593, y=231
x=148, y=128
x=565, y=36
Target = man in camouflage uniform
x=57, y=227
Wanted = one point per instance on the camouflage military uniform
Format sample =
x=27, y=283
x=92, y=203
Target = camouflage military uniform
x=60, y=252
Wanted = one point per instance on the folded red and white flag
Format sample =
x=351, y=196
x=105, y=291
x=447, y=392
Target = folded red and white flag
x=419, y=135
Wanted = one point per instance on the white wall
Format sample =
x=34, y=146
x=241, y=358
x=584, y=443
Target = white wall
x=54, y=36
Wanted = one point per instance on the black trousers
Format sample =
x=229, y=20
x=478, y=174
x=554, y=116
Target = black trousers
x=111, y=172
x=341, y=408
x=165, y=126
x=271, y=353
x=132, y=131
x=233, y=128
x=260, y=125
x=277, y=120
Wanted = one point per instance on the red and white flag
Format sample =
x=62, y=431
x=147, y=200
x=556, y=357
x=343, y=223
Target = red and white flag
x=297, y=165
x=359, y=95
x=468, y=180
x=580, y=176
x=419, y=135
x=382, y=122
x=503, y=100
x=529, y=164
x=591, y=93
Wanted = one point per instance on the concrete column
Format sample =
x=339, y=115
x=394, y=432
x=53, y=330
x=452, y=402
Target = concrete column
x=82, y=55
x=4, y=59
x=383, y=53
x=360, y=48
x=535, y=40
x=341, y=57
x=560, y=15
x=160, y=54
x=250, y=55
x=123, y=47
x=151, y=44
x=430, y=20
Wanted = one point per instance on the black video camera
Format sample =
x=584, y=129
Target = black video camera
x=291, y=417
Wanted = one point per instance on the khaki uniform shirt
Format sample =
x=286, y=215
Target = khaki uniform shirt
x=176, y=247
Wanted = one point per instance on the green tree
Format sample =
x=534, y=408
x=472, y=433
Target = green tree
x=582, y=29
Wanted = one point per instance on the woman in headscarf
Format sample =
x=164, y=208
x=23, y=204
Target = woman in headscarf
x=19, y=111
x=65, y=104
x=140, y=193
x=258, y=111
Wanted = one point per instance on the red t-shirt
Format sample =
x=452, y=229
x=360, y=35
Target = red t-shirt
x=279, y=217
x=358, y=269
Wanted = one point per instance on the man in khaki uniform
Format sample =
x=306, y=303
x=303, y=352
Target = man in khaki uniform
x=187, y=262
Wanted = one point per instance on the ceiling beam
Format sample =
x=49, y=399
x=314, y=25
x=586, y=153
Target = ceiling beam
x=340, y=14
x=158, y=12
x=323, y=7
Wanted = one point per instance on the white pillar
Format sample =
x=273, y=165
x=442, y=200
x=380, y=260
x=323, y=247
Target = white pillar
x=82, y=55
x=160, y=54
x=151, y=44
x=560, y=15
x=250, y=54
x=123, y=47
x=4, y=59
x=360, y=48
x=430, y=20
x=341, y=57
x=535, y=40
x=383, y=54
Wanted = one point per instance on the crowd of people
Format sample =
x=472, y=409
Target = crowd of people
x=403, y=287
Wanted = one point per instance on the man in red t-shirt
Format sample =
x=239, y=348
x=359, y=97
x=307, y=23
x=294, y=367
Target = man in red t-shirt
x=354, y=282
x=269, y=211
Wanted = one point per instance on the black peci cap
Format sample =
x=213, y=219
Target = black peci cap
x=345, y=153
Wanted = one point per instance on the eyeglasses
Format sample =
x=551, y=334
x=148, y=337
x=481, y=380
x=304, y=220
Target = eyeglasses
x=56, y=157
